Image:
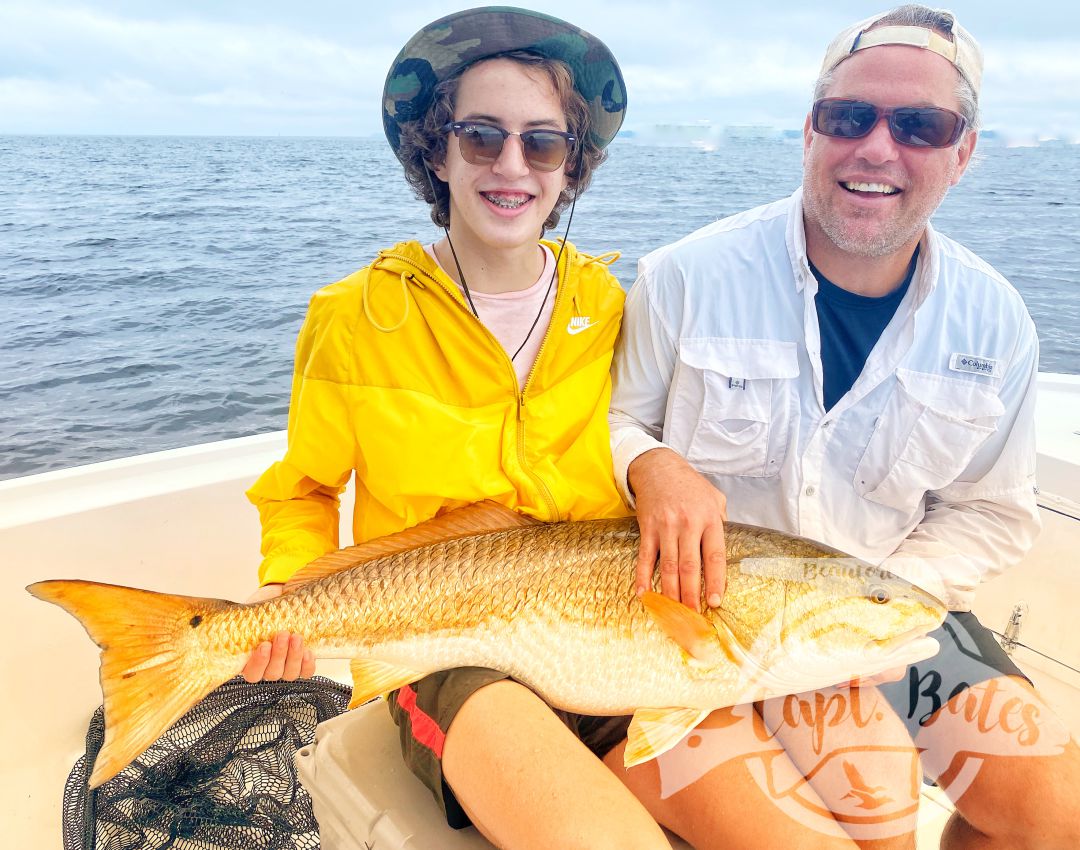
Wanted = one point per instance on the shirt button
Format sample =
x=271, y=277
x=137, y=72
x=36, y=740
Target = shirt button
x=826, y=423
x=810, y=491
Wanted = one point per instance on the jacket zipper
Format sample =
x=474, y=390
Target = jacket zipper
x=519, y=392
x=544, y=491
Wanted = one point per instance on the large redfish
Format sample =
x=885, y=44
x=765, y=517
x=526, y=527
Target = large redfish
x=551, y=604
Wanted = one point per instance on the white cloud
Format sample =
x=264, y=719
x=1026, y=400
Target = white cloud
x=1035, y=69
x=317, y=67
x=92, y=57
x=25, y=95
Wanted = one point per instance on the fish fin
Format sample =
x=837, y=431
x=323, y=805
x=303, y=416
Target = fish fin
x=153, y=667
x=686, y=627
x=654, y=731
x=374, y=678
x=469, y=521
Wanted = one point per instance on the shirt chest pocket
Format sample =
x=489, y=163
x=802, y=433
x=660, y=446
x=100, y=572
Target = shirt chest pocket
x=926, y=436
x=731, y=409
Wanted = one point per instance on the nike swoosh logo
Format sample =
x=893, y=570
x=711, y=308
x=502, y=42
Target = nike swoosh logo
x=575, y=328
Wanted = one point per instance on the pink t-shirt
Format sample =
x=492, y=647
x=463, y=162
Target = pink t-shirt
x=509, y=315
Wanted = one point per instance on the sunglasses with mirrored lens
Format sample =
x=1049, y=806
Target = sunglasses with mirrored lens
x=918, y=126
x=481, y=144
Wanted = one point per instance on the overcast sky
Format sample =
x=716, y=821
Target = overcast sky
x=316, y=67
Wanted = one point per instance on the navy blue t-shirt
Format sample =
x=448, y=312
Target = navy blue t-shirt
x=850, y=327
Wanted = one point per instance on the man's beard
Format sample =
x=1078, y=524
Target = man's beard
x=844, y=231
x=879, y=241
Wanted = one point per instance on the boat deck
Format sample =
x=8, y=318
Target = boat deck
x=178, y=522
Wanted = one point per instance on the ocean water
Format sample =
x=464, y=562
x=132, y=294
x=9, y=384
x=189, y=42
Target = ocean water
x=151, y=288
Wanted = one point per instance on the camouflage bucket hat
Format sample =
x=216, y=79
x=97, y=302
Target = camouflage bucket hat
x=450, y=44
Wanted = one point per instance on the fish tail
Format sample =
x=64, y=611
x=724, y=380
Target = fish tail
x=154, y=662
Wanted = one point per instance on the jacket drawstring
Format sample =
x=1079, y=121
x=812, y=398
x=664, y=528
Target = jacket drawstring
x=607, y=258
x=404, y=295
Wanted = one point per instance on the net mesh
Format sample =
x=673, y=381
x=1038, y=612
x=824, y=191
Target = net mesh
x=221, y=777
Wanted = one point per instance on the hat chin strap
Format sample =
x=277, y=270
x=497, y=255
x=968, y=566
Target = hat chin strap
x=554, y=274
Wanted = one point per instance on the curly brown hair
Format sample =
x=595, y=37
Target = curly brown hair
x=423, y=143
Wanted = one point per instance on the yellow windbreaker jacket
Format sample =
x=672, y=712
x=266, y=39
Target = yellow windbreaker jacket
x=396, y=380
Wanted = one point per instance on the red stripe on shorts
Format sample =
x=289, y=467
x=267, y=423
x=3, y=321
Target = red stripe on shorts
x=424, y=728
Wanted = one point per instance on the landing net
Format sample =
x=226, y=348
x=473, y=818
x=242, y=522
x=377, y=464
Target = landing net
x=221, y=777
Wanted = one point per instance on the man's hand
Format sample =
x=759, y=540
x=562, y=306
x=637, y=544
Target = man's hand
x=282, y=658
x=681, y=517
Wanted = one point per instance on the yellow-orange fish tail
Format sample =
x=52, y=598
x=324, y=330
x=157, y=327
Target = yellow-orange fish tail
x=153, y=665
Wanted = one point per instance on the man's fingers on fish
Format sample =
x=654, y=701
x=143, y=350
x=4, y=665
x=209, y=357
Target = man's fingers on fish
x=648, y=552
x=714, y=559
x=307, y=669
x=669, y=565
x=690, y=568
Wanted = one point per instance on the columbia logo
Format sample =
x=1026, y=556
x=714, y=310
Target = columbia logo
x=975, y=365
x=579, y=323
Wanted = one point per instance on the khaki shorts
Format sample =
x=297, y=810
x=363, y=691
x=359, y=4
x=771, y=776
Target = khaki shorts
x=424, y=711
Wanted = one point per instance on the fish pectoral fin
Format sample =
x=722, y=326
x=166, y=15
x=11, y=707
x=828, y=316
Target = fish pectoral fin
x=687, y=628
x=469, y=521
x=374, y=678
x=654, y=731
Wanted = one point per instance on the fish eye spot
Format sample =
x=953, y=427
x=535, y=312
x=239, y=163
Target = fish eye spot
x=879, y=595
x=196, y=620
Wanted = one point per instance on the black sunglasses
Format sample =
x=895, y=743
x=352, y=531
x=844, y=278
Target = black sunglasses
x=481, y=144
x=918, y=126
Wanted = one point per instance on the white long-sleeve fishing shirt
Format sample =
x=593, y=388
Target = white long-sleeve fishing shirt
x=926, y=465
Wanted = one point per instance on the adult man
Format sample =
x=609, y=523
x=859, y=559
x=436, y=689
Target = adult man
x=829, y=365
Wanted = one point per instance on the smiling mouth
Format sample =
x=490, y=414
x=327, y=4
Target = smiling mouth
x=870, y=188
x=507, y=200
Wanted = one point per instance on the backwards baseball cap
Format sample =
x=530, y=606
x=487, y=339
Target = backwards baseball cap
x=449, y=45
x=959, y=47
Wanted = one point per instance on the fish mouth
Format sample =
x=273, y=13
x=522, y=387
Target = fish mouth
x=895, y=644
